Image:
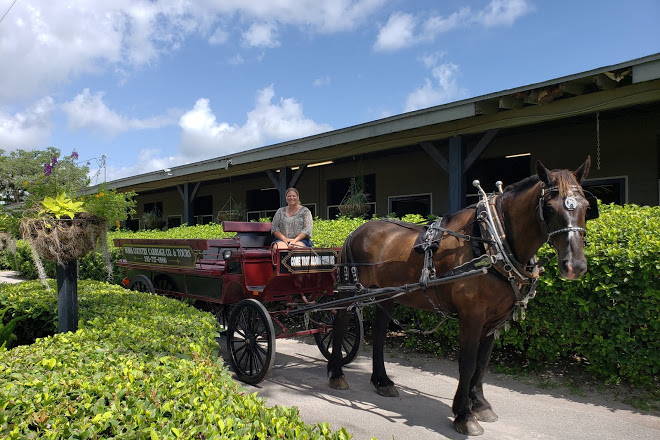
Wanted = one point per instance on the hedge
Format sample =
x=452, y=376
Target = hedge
x=608, y=319
x=140, y=366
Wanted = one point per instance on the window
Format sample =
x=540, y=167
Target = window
x=411, y=204
x=263, y=200
x=173, y=221
x=154, y=208
x=612, y=190
x=203, y=206
x=337, y=189
x=488, y=171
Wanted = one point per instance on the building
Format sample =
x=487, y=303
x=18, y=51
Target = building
x=423, y=161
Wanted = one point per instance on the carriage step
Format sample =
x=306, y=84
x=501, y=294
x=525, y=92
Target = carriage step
x=255, y=288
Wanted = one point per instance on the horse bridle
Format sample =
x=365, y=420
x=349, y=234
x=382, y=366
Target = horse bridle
x=570, y=203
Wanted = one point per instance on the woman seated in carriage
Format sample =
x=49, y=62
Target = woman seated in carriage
x=292, y=224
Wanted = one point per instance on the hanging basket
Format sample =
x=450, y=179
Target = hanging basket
x=354, y=210
x=6, y=241
x=62, y=240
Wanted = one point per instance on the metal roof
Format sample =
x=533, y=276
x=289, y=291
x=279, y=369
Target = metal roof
x=623, y=84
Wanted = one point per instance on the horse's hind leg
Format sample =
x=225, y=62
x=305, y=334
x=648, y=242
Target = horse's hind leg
x=480, y=406
x=465, y=422
x=379, y=379
x=335, y=370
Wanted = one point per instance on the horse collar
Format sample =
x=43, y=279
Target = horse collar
x=490, y=222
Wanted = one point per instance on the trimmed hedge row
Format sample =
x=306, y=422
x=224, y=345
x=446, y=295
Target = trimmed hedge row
x=141, y=366
x=608, y=319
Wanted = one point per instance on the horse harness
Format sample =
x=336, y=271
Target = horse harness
x=498, y=257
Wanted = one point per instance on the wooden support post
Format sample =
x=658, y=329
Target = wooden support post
x=456, y=176
x=67, y=296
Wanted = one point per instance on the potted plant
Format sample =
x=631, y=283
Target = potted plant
x=356, y=200
x=231, y=211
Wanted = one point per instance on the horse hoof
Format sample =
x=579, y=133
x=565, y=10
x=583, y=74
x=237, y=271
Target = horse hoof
x=339, y=383
x=468, y=425
x=388, y=391
x=486, y=415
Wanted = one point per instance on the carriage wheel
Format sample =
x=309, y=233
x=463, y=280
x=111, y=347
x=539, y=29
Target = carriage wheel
x=222, y=315
x=251, y=341
x=141, y=283
x=352, y=343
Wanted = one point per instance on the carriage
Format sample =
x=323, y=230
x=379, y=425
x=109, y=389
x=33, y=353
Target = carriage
x=250, y=288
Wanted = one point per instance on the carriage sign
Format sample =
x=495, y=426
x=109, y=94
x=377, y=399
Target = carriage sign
x=160, y=255
x=308, y=260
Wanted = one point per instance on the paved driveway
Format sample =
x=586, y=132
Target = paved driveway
x=423, y=408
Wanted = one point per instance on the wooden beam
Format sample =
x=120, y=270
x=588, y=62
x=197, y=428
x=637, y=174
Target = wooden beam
x=511, y=102
x=273, y=178
x=549, y=94
x=572, y=88
x=479, y=148
x=604, y=82
x=486, y=107
x=432, y=151
x=296, y=176
x=532, y=97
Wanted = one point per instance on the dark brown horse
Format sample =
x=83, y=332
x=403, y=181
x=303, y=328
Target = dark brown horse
x=509, y=227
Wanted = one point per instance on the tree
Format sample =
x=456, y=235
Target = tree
x=28, y=176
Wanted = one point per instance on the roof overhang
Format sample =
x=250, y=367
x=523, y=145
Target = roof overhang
x=622, y=85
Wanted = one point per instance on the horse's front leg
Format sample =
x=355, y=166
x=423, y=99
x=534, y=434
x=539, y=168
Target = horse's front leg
x=480, y=406
x=469, y=334
x=335, y=370
x=379, y=379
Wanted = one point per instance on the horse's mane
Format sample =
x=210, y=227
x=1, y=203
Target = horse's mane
x=522, y=185
x=563, y=179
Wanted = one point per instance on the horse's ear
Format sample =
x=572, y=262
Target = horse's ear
x=543, y=173
x=582, y=172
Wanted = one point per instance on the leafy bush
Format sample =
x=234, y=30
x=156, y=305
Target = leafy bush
x=609, y=318
x=141, y=366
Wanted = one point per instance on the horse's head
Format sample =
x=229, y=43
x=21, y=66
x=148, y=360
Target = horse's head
x=564, y=209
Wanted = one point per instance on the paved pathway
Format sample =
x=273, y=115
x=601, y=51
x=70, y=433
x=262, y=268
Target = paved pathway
x=10, y=276
x=423, y=409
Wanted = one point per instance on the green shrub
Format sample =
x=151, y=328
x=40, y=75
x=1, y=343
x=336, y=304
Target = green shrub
x=609, y=318
x=141, y=366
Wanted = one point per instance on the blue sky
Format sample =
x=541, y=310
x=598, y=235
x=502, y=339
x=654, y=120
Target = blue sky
x=155, y=84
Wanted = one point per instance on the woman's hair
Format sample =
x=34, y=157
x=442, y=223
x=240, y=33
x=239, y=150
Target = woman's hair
x=288, y=190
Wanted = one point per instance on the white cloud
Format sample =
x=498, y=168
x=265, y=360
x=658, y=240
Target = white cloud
x=397, y=32
x=404, y=30
x=43, y=44
x=502, y=12
x=220, y=36
x=322, y=81
x=87, y=111
x=261, y=35
x=148, y=160
x=441, y=88
x=203, y=136
x=28, y=129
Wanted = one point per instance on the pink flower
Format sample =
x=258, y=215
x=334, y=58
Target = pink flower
x=74, y=155
x=48, y=169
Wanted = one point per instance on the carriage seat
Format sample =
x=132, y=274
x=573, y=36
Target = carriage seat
x=250, y=234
